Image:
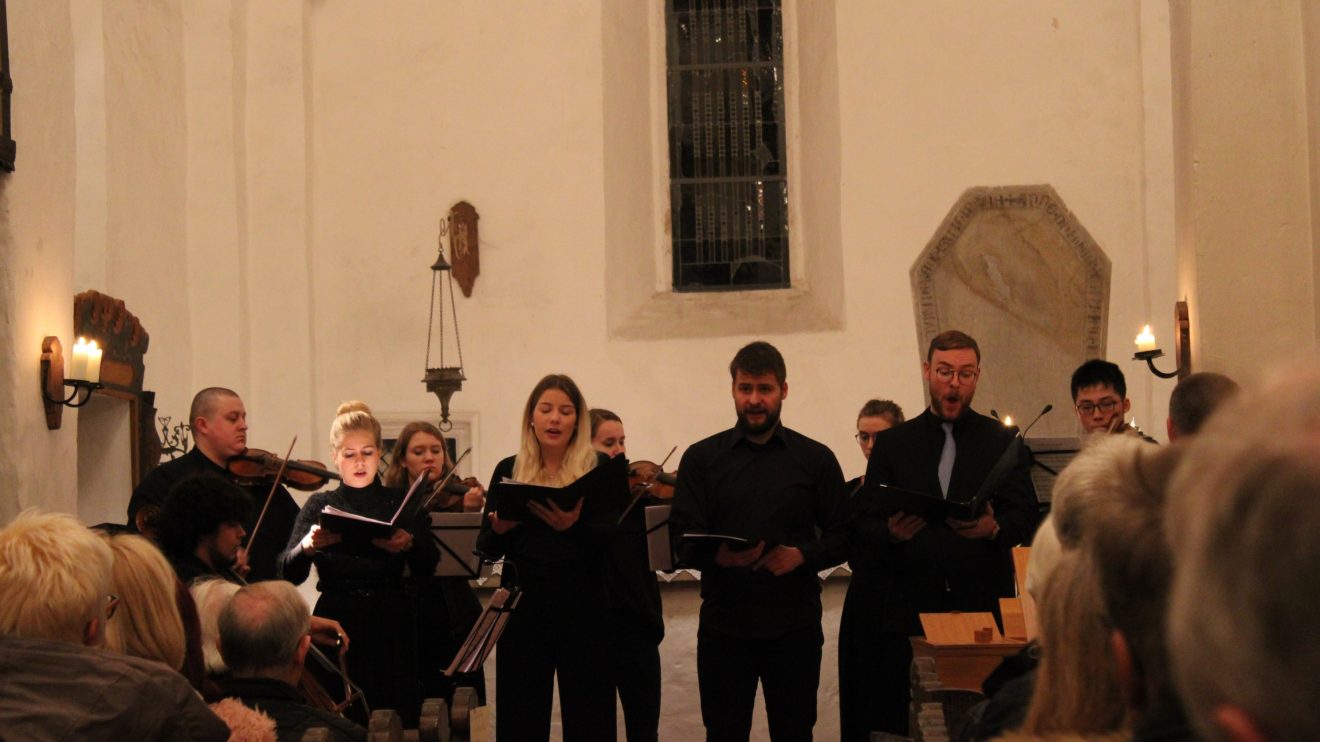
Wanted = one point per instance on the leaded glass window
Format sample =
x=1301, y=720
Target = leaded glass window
x=727, y=170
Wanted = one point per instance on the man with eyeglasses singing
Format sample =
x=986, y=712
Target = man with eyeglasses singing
x=1099, y=394
x=915, y=565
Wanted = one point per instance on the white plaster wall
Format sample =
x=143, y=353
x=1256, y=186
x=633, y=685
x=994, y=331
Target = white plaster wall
x=1245, y=179
x=38, y=466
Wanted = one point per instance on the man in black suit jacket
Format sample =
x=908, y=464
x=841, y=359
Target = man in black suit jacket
x=903, y=563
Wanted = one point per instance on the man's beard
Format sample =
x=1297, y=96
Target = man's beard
x=771, y=420
x=938, y=403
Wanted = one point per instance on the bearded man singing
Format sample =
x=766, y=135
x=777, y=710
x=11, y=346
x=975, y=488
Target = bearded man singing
x=760, y=600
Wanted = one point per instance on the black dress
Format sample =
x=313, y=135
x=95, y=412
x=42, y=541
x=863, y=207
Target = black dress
x=637, y=624
x=364, y=588
x=561, y=620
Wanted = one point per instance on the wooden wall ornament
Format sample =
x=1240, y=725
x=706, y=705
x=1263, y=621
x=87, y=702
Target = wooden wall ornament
x=124, y=342
x=464, y=245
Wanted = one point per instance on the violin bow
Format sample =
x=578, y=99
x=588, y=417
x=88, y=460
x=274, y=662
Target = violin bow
x=667, y=457
x=279, y=475
x=453, y=469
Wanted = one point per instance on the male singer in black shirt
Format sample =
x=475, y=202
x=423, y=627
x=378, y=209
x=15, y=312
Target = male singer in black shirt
x=760, y=607
x=917, y=566
x=219, y=428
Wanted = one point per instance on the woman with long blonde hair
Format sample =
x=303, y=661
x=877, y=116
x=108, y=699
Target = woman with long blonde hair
x=146, y=623
x=362, y=582
x=558, y=556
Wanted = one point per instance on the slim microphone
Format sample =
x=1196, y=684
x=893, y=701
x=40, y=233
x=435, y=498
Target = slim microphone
x=1048, y=407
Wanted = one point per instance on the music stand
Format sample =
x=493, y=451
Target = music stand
x=455, y=534
x=486, y=632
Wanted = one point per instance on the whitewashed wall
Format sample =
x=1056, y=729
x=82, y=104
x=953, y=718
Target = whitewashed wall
x=261, y=182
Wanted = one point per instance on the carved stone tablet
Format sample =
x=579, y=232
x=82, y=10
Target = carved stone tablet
x=1013, y=267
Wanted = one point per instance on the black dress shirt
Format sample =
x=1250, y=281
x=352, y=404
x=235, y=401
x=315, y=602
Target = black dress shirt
x=787, y=492
x=264, y=549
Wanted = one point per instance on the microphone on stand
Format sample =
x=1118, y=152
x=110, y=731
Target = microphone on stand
x=1047, y=408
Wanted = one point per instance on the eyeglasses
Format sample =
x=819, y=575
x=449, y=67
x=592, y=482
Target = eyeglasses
x=111, y=603
x=1106, y=406
x=965, y=375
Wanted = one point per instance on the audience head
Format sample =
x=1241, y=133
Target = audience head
x=219, y=423
x=55, y=579
x=760, y=385
x=1194, y=399
x=211, y=596
x=607, y=433
x=1075, y=689
x=419, y=448
x=203, y=516
x=876, y=415
x=356, y=442
x=147, y=623
x=556, y=424
x=264, y=631
x=951, y=370
x=1099, y=394
x=1243, y=516
x=1125, y=536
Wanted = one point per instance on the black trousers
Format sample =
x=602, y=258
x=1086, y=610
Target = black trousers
x=637, y=678
x=559, y=627
x=788, y=668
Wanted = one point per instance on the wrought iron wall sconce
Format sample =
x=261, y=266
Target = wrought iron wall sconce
x=1148, y=350
x=83, y=375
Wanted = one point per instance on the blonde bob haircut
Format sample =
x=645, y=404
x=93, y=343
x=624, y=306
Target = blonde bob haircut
x=54, y=577
x=580, y=457
x=396, y=474
x=353, y=417
x=147, y=623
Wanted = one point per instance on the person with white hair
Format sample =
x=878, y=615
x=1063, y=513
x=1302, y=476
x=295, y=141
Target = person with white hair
x=264, y=642
x=1244, y=509
x=59, y=683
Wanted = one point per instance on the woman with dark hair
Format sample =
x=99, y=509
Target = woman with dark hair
x=447, y=606
x=558, y=557
x=637, y=622
x=861, y=710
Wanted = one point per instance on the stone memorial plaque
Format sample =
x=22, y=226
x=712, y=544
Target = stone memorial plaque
x=1013, y=267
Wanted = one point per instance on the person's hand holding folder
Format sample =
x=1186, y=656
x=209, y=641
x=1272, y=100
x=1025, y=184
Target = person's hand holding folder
x=399, y=541
x=983, y=527
x=318, y=538
x=781, y=560
x=560, y=520
x=729, y=557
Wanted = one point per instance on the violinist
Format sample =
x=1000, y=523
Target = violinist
x=558, y=557
x=637, y=622
x=219, y=428
x=200, y=527
x=448, y=605
x=362, y=583
x=860, y=644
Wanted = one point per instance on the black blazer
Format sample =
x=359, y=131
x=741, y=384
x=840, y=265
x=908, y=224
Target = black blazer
x=938, y=570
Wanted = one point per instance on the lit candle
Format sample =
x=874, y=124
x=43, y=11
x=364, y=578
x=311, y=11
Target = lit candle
x=1008, y=420
x=78, y=361
x=94, y=363
x=1146, y=340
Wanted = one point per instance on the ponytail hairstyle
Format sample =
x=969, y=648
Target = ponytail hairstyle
x=580, y=457
x=352, y=417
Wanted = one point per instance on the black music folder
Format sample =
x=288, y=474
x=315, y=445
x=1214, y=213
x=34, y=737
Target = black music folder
x=354, y=527
x=934, y=507
x=509, y=497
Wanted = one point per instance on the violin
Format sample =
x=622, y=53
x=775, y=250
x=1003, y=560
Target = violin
x=648, y=478
x=255, y=466
x=447, y=490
